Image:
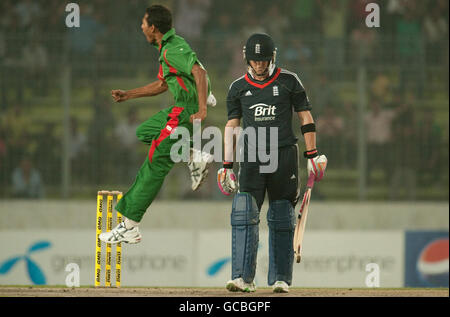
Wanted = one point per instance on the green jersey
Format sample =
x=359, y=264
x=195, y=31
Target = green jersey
x=176, y=61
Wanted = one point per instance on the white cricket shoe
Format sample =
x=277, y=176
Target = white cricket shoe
x=238, y=285
x=199, y=163
x=280, y=287
x=121, y=234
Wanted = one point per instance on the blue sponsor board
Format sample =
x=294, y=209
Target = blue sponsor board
x=426, y=259
x=35, y=273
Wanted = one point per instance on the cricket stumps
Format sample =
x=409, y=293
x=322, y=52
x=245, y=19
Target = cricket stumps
x=98, y=247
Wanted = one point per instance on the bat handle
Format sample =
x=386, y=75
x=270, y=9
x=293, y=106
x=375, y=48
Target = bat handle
x=310, y=183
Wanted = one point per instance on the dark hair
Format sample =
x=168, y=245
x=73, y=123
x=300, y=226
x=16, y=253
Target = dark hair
x=160, y=17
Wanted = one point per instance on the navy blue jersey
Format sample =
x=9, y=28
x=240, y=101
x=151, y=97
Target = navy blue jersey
x=268, y=103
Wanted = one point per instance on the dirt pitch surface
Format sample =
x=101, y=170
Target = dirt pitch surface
x=15, y=291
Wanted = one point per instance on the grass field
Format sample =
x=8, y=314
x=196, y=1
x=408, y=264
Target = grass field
x=62, y=291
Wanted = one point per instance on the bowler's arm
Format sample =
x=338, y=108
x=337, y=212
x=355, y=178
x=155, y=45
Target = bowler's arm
x=201, y=83
x=152, y=89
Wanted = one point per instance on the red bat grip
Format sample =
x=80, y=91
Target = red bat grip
x=310, y=183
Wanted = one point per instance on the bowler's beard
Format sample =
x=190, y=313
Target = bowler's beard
x=149, y=39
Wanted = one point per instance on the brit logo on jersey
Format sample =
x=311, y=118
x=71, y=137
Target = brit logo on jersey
x=264, y=112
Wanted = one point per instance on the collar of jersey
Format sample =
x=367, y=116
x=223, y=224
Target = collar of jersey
x=165, y=38
x=266, y=82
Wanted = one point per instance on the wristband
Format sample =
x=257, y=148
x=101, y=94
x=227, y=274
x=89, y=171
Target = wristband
x=310, y=127
x=228, y=165
x=310, y=154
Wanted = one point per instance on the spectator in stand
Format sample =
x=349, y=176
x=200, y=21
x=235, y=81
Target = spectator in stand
x=304, y=16
x=331, y=127
x=381, y=88
x=251, y=26
x=3, y=99
x=236, y=68
x=28, y=12
x=251, y=20
x=363, y=44
x=11, y=74
x=48, y=153
x=4, y=168
x=334, y=24
x=100, y=140
x=349, y=135
x=7, y=14
x=403, y=178
x=430, y=140
x=379, y=121
x=191, y=17
x=376, y=46
x=358, y=12
x=436, y=34
x=27, y=181
x=221, y=35
x=17, y=128
x=298, y=54
x=52, y=17
x=78, y=150
x=128, y=158
x=409, y=49
x=84, y=41
x=35, y=60
x=323, y=94
x=395, y=7
x=277, y=23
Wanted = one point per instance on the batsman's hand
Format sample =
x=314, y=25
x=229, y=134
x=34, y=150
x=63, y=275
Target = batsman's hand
x=226, y=180
x=119, y=95
x=317, y=166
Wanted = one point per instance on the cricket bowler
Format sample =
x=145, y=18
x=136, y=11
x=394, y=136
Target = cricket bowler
x=183, y=75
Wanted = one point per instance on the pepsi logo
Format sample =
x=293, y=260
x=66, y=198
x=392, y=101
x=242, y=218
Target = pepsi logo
x=433, y=264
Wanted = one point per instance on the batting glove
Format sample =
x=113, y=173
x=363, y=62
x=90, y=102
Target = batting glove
x=316, y=164
x=226, y=180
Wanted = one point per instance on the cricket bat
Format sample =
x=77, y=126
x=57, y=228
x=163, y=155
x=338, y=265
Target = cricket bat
x=301, y=220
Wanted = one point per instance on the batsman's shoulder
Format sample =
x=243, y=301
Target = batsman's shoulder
x=237, y=83
x=285, y=73
x=291, y=78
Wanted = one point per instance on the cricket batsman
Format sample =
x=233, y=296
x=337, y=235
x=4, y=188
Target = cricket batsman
x=266, y=97
x=183, y=75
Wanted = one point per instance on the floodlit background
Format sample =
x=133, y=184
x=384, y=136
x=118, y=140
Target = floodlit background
x=380, y=99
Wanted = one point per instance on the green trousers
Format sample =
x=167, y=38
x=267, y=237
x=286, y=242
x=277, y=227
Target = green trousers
x=156, y=133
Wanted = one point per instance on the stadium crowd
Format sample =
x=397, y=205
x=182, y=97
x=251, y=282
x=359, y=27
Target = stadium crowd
x=324, y=41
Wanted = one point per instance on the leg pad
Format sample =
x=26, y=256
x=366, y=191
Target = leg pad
x=281, y=221
x=245, y=236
